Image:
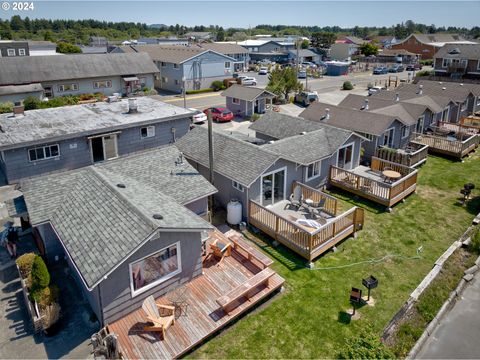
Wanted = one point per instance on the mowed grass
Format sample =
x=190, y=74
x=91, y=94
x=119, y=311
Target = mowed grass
x=307, y=320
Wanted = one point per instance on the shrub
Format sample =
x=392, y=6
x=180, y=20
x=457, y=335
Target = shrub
x=254, y=117
x=86, y=97
x=217, y=85
x=426, y=62
x=424, y=73
x=347, y=85
x=366, y=345
x=6, y=107
x=369, y=86
x=51, y=315
x=475, y=244
x=31, y=103
x=199, y=91
x=25, y=263
x=40, y=276
x=47, y=296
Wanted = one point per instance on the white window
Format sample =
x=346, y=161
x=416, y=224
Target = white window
x=177, y=82
x=163, y=64
x=464, y=106
x=445, y=62
x=227, y=64
x=44, y=152
x=175, y=66
x=405, y=131
x=370, y=137
x=255, y=49
x=147, y=132
x=154, y=269
x=102, y=84
x=235, y=101
x=67, y=87
x=10, y=52
x=164, y=79
x=313, y=170
x=238, y=186
x=21, y=52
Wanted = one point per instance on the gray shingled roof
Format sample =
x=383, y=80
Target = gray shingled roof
x=224, y=48
x=101, y=224
x=20, y=89
x=35, y=69
x=310, y=147
x=247, y=93
x=235, y=159
x=350, y=119
x=303, y=53
x=279, y=126
x=465, y=51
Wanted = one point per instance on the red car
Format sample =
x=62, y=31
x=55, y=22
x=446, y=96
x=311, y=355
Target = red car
x=220, y=114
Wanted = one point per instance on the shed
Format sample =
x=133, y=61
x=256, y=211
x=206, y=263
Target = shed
x=245, y=101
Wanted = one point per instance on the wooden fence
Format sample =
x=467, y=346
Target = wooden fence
x=309, y=243
x=414, y=155
x=446, y=146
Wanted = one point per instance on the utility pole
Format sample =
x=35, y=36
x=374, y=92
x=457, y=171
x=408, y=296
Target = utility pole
x=210, y=159
x=296, y=60
x=184, y=92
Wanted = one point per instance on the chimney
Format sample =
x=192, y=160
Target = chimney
x=365, y=106
x=327, y=114
x=397, y=97
x=420, y=89
x=18, y=108
x=132, y=106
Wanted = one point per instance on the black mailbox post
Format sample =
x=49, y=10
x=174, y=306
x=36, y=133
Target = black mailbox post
x=370, y=283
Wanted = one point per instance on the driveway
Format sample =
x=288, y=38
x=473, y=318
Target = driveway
x=457, y=336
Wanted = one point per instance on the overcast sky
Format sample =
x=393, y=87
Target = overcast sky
x=228, y=13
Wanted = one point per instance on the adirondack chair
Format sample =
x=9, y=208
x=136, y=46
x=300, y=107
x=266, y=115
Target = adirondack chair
x=317, y=209
x=220, y=249
x=162, y=316
x=296, y=198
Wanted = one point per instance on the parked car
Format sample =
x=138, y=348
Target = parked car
x=248, y=80
x=414, y=67
x=199, y=117
x=220, y=114
x=374, y=89
x=306, y=97
x=396, y=68
x=263, y=71
x=380, y=70
x=302, y=74
x=309, y=64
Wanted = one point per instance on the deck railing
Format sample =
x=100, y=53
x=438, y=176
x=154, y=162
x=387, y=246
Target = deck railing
x=443, y=145
x=461, y=127
x=316, y=196
x=305, y=242
x=417, y=154
x=378, y=191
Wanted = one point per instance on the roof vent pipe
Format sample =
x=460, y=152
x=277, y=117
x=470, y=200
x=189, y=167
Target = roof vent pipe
x=397, y=97
x=420, y=89
x=18, y=108
x=444, y=88
x=132, y=106
x=327, y=113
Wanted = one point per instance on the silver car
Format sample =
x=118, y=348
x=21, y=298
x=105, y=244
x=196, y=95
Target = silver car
x=249, y=81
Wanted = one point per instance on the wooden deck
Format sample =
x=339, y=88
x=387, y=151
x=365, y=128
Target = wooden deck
x=369, y=183
x=414, y=155
x=465, y=144
x=468, y=125
x=203, y=317
x=281, y=225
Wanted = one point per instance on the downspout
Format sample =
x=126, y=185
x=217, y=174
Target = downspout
x=101, y=305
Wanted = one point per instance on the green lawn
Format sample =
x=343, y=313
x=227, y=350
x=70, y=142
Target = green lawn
x=306, y=321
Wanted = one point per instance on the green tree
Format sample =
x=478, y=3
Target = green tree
x=221, y=34
x=67, y=48
x=305, y=44
x=239, y=36
x=48, y=36
x=368, y=49
x=40, y=275
x=323, y=39
x=283, y=81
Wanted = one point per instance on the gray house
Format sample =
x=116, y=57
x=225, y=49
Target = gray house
x=79, y=74
x=58, y=139
x=246, y=101
x=304, y=55
x=197, y=66
x=128, y=229
x=12, y=48
x=239, y=53
x=265, y=174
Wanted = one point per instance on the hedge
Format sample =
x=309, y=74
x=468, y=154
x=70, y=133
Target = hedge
x=190, y=92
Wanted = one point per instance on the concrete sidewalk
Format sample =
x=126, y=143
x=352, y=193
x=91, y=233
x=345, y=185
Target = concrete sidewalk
x=458, y=334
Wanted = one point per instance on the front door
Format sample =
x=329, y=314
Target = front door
x=104, y=148
x=273, y=187
x=345, y=157
x=48, y=91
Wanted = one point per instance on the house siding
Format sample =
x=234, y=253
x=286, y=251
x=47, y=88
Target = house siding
x=75, y=152
x=199, y=207
x=115, y=292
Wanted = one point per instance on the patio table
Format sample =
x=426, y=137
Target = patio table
x=390, y=174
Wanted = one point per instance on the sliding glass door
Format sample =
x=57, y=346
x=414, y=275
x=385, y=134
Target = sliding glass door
x=273, y=187
x=345, y=157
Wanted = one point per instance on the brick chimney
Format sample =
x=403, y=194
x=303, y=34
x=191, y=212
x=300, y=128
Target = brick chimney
x=18, y=108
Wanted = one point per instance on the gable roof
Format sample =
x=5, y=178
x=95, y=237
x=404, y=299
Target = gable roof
x=35, y=69
x=235, y=159
x=99, y=223
x=350, y=119
x=175, y=54
x=303, y=53
x=462, y=51
x=438, y=39
x=310, y=147
x=279, y=126
x=224, y=48
x=20, y=89
x=247, y=93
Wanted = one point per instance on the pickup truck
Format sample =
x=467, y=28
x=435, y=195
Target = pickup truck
x=306, y=97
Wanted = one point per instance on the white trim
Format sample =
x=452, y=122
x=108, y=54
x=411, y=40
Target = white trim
x=353, y=152
x=273, y=185
x=43, y=147
x=237, y=186
x=150, y=131
x=448, y=114
x=22, y=52
x=393, y=137
x=319, y=163
x=407, y=128
x=235, y=101
x=160, y=280
x=9, y=52
x=423, y=124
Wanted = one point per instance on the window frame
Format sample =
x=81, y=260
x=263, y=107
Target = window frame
x=22, y=52
x=163, y=64
x=405, y=131
x=157, y=282
x=236, y=101
x=464, y=106
x=61, y=87
x=164, y=80
x=11, y=52
x=152, y=133
x=447, y=60
x=176, y=66
x=96, y=86
x=237, y=186
x=35, y=148
x=229, y=65
x=316, y=165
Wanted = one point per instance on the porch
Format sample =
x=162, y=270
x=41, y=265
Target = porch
x=308, y=239
x=456, y=145
x=370, y=183
x=202, y=317
x=413, y=155
x=468, y=125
